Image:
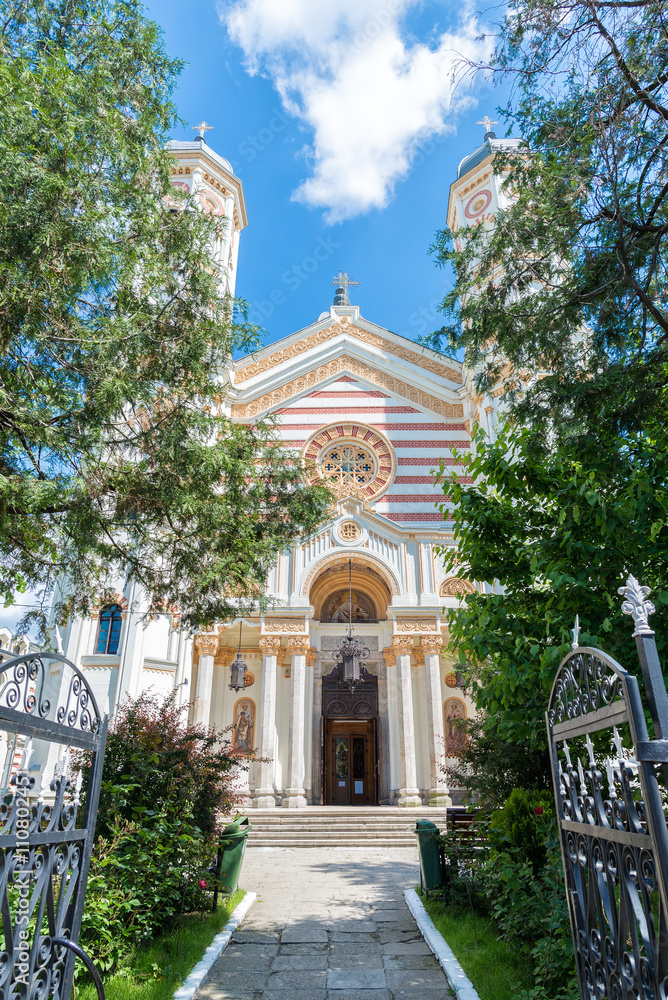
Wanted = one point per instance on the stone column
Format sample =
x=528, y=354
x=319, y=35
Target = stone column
x=265, y=797
x=207, y=644
x=438, y=786
x=294, y=796
x=409, y=793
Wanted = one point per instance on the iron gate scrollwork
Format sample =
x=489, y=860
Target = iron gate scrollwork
x=610, y=779
x=46, y=837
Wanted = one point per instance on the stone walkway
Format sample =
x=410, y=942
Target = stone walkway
x=329, y=924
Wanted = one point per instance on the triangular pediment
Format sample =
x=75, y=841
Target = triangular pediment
x=320, y=374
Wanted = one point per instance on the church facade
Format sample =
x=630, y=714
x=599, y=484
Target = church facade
x=374, y=415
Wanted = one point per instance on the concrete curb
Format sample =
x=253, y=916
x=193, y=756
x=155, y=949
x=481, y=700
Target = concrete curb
x=215, y=949
x=459, y=981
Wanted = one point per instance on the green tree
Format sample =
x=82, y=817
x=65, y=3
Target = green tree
x=554, y=532
x=115, y=455
x=572, y=279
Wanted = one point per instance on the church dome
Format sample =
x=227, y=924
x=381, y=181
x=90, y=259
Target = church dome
x=490, y=145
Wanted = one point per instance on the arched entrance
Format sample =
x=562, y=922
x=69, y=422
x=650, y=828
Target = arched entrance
x=351, y=758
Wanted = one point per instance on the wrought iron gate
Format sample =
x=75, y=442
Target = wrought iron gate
x=46, y=839
x=610, y=789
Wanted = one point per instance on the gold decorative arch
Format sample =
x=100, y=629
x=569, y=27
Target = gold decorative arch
x=454, y=586
x=361, y=563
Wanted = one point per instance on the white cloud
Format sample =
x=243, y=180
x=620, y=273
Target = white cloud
x=369, y=93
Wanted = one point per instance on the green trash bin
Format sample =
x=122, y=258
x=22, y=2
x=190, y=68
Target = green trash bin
x=231, y=854
x=430, y=859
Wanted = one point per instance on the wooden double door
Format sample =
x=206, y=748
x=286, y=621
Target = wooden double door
x=351, y=762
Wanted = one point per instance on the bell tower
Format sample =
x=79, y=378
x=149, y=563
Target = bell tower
x=214, y=186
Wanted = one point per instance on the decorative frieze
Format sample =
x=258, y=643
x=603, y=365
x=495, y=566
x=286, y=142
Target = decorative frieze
x=415, y=624
x=454, y=586
x=285, y=625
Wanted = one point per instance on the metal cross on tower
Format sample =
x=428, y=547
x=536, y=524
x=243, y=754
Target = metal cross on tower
x=344, y=281
x=202, y=128
x=487, y=122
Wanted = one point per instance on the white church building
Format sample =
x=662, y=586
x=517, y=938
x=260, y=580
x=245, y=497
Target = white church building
x=375, y=415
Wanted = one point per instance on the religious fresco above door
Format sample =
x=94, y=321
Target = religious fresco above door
x=345, y=607
x=244, y=724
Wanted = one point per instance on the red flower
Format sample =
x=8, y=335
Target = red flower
x=202, y=883
x=538, y=811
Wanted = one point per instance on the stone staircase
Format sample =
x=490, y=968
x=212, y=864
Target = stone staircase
x=339, y=826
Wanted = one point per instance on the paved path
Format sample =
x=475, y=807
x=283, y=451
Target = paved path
x=329, y=924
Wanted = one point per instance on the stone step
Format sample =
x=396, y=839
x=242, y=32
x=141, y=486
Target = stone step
x=340, y=826
x=365, y=842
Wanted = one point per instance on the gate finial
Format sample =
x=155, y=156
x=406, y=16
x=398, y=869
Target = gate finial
x=635, y=604
x=576, y=633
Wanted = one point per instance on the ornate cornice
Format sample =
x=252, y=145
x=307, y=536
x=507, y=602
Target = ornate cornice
x=207, y=644
x=253, y=368
x=319, y=374
x=415, y=624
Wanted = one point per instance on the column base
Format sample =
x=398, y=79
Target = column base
x=264, y=799
x=437, y=797
x=409, y=797
x=294, y=798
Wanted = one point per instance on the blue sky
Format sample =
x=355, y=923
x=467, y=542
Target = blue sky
x=383, y=111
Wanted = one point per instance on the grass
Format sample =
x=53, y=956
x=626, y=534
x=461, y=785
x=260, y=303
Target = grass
x=154, y=973
x=493, y=967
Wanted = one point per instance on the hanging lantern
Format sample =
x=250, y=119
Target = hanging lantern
x=238, y=669
x=351, y=651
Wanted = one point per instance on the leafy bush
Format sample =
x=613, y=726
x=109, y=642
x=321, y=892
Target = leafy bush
x=165, y=784
x=521, y=825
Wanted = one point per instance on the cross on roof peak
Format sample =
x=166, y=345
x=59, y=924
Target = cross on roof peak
x=202, y=128
x=343, y=282
x=487, y=122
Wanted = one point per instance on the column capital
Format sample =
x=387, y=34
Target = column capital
x=390, y=657
x=418, y=653
x=225, y=655
x=206, y=643
x=431, y=643
x=311, y=655
x=270, y=644
x=298, y=644
x=402, y=643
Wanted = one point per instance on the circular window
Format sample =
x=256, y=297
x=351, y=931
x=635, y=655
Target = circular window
x=348, y=463
x=352, y=459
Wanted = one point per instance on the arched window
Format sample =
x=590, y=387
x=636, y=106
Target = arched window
x=109, y=629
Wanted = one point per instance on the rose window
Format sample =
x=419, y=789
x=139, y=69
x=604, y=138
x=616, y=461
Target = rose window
x=348, y=464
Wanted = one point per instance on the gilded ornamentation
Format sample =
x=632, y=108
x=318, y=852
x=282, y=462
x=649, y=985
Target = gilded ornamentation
x=451, y=680
x=454, y=586
x=319, y=374
x=415, y=624
x=270, y=644
x=298, y=644
x=280, y=655
x=390, y=657
x=402, y=643
x=248, y=371
x=418, y=653
x=225, y=656
x=366, y=560
x=285, y=624
x=207, y=644
x=250, y=679
x=431, y=643
x=311, y=656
